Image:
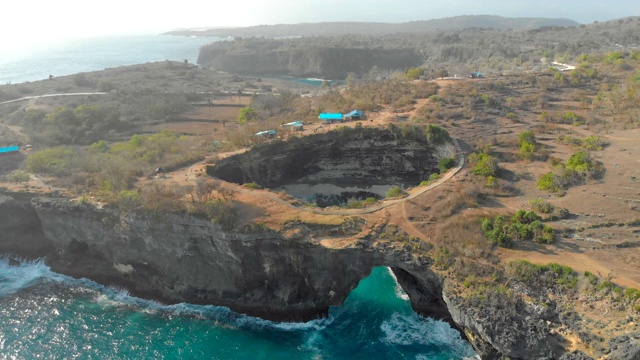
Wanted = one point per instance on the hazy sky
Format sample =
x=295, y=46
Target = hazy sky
x=26, y=21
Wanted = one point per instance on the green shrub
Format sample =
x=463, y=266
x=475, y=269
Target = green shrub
x=580, y=162
x=485, y=165
x=548, y=182
x=99, y=147
x=527, y=151
x=572, y=118
x=491, y=181
x=127, y=199
x=437, y=135
x=253, y=185
x=527, y=137
x=247, y=114
x=549, y=275
x=18, y=176
x=353, y=203
x=221, y=212
x=541, y=206
x=523, y=226
x=395, y=191
x=591, y=278
x=594, y=143
x=414, y=73
x=445, y=164
x=58, y=161
x=631, y=294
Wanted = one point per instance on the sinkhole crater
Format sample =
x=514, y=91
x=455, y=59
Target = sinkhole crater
x=331, y=167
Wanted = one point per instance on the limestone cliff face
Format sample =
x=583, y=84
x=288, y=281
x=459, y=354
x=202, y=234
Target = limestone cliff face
x=181, y=258
x=357, y=157
x=20, y=229
x=329, y=62
x=502, y=329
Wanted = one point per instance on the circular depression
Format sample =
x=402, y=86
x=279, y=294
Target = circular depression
x=330, y=168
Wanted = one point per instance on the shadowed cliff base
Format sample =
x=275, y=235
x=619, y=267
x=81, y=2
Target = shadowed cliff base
x=340, y=163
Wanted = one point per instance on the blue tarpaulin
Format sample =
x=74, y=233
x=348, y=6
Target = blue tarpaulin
x=330, y=116
x=9, y=149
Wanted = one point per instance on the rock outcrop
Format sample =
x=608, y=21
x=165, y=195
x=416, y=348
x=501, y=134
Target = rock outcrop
x=182, y=258
x=501, y=329
x=365, y=156
x=20, y=229
x=269, y=58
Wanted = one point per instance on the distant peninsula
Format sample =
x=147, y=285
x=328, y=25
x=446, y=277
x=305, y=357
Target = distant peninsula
x=379, y=29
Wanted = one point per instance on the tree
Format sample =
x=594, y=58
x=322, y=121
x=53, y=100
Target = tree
x=246, y=114
x=414, y=73
x=437, y=135
x=527, y=137
x=485, y=165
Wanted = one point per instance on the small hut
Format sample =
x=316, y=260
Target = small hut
x=354, y=115
x=267, y=133
x=329, y=118
x=296, y=125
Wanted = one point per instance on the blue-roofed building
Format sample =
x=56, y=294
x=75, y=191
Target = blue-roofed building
x=330, y=117
x=354, y=115
x=266, y=133
x=9, y=150
x=298, y=125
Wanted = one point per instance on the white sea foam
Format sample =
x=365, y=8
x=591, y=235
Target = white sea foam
x=18, y=277
x=412, y=329
x=398, y=289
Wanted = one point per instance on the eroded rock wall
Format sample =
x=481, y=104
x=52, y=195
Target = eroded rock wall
x=332, y=63
x=179, y=258
x=176, y=258
x=353, y=156
x=20, y=229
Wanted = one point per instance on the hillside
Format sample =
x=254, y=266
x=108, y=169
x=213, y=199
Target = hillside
x=458, y=51
x=530, y=221
x=378, y=29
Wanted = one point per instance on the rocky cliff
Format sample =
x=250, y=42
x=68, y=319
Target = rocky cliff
x=366, y=156
x=267, y=57
x=20, y=230
x=182, y=258
x=281, y=275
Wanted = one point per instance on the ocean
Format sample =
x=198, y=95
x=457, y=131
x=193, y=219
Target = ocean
x=93, y=54
x=51, y=316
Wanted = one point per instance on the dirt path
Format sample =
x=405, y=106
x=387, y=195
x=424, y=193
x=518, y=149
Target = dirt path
x=51, y=95
x=184, y=176
x=580, y=262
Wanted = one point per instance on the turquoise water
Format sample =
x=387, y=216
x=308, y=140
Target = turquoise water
x=47, y=315
x=51, y=316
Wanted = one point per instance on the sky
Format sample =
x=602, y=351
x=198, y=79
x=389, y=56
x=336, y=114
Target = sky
x=38, y=21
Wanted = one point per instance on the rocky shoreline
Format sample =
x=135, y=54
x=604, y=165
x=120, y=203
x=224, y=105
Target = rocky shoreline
x=182, y=258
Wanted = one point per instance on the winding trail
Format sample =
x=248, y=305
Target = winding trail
x=368, y=210
x=51, y=95
x=385, y=204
